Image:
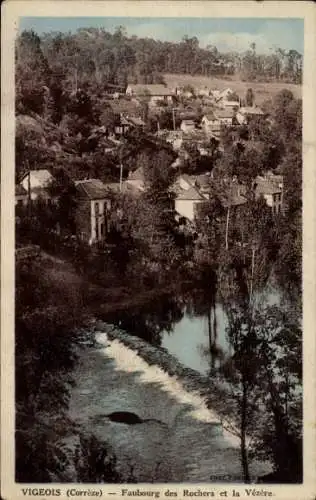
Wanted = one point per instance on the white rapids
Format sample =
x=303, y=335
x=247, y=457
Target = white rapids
x=192, y=447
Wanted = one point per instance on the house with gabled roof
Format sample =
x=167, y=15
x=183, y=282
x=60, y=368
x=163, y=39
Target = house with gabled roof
x=246, y=113
x=270, y=187
x=92, y=211
x=38, y=185
x=154, y=92
x=186, y=202
x=187, y=196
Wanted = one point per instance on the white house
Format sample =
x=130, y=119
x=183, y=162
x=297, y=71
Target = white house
x=92, y=210
x=211, y=123
x=38, y=183
x=188, y=196
x=186, y=202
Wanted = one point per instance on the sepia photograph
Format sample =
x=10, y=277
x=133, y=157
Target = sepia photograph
x=158, y=252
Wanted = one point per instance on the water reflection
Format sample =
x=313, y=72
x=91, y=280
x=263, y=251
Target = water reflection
x=197, y=342
x=190, y=323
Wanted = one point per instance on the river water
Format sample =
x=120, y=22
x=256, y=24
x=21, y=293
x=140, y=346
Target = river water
x=189, y=341
x=188, y=443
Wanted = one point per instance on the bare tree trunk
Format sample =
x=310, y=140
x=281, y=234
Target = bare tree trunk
x=227, y=225
x=243, y=445
x=252, y=272
x=209, y=326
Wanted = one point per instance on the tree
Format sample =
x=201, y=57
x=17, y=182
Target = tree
x=32, y=73
x=265, y=375
x=249, y=97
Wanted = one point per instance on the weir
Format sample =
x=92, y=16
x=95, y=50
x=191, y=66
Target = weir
x=114, y=376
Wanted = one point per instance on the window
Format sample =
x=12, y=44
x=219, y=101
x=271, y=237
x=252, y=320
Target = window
x=96, y=208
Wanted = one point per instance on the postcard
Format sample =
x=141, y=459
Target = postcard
x=158, y=250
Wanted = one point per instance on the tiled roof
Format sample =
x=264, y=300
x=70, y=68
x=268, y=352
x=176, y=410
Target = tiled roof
x=93, y=189
x=190, y=194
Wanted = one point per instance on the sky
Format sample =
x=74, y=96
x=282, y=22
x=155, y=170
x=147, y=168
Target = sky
x=225, y=33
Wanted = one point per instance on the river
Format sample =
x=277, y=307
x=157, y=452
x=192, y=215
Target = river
x=190, y=444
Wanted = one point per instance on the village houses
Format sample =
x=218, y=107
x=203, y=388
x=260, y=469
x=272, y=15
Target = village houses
x=153, y=92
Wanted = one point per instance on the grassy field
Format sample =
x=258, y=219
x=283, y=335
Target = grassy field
x=262, y=91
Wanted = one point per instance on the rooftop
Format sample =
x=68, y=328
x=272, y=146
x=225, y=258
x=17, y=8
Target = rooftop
x=93, y=189
x=42, y=176
x=190, y=194
x=188, y=122
x=230, y=103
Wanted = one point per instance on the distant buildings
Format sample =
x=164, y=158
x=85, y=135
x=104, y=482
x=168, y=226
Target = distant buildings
x=154, y=93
